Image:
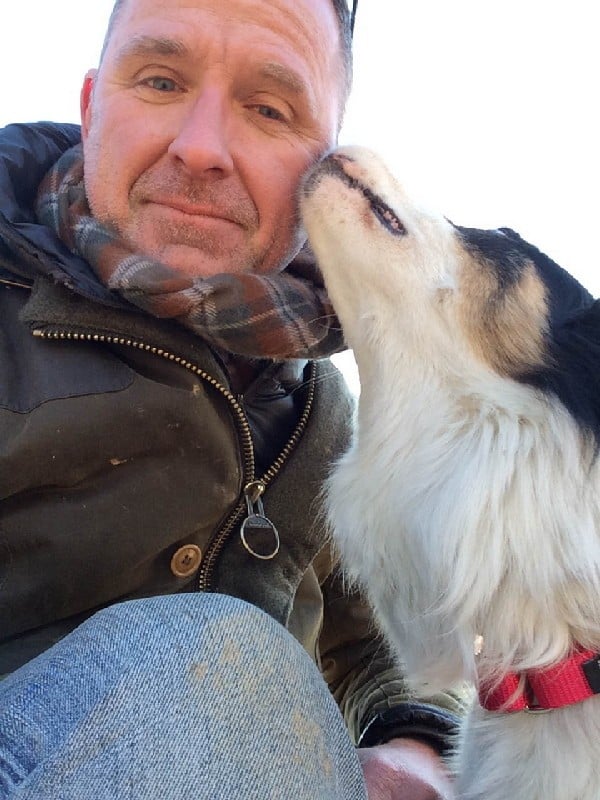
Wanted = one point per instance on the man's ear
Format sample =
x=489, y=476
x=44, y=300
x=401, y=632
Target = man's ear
x=85, y=101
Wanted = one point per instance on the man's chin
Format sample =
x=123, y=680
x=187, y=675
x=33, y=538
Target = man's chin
x=197, y=263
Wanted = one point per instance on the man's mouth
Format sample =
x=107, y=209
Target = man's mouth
x=199, y=211
x=335, y=165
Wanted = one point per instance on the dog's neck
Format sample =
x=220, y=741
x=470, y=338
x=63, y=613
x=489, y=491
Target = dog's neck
x=468, y=456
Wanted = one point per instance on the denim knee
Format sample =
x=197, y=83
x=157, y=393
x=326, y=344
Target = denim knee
x=208, y=683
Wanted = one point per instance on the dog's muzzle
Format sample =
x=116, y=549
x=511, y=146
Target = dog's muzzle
x=336, y=165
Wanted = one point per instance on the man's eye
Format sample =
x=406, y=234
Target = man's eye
x=270, y=113
x=161, y=84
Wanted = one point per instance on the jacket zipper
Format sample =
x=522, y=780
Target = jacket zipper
x=251, y=488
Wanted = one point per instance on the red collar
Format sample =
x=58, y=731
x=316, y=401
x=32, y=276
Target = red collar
x=563, y=684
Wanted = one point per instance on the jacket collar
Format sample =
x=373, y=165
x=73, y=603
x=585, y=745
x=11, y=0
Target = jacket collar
x=28, y=248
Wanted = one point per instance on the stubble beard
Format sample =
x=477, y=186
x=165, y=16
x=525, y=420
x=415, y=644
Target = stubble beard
x=184, y=246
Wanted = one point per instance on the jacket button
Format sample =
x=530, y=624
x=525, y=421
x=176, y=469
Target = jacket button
x=186, y=561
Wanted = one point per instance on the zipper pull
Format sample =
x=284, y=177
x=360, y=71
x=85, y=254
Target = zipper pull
x=257, y=530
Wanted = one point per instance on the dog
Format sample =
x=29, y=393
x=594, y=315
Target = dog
x=468, y=505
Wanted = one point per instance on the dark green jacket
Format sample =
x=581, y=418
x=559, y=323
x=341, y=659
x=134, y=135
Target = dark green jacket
x=127, y=467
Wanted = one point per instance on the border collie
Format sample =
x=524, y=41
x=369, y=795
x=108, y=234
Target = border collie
x=468, y=505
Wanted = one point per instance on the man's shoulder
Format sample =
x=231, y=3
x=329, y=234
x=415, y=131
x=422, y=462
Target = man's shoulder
x=27, y=151
x=38, y=140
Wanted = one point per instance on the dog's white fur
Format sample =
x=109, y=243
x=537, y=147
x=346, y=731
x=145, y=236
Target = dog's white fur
x=469, y=502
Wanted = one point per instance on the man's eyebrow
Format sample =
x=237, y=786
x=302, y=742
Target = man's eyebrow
x=290, y=81
x=142, y=46
x=285, y=76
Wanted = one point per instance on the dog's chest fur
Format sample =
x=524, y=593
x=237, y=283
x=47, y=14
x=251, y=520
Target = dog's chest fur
x=469, y=502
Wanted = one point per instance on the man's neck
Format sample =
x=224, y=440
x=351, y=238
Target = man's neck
x=241, y=371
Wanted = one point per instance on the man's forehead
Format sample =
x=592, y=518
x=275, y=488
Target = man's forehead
x=320, y=11
x=309, y=26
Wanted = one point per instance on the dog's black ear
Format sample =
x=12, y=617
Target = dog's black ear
x=567, y=297
x=579, y=335
x=575, y=373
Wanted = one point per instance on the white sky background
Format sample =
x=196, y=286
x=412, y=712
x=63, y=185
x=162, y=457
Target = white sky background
x=488, y=110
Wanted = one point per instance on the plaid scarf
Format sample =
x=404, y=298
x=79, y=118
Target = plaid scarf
x=276, y=316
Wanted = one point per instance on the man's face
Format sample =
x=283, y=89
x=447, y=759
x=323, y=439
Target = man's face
x=200, y=121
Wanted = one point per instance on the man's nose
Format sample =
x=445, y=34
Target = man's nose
x=202, y=142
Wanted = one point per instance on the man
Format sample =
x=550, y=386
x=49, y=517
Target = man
x=155, y=443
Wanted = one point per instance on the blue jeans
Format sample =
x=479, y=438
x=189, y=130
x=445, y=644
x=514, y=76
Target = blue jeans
x=186, y=696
